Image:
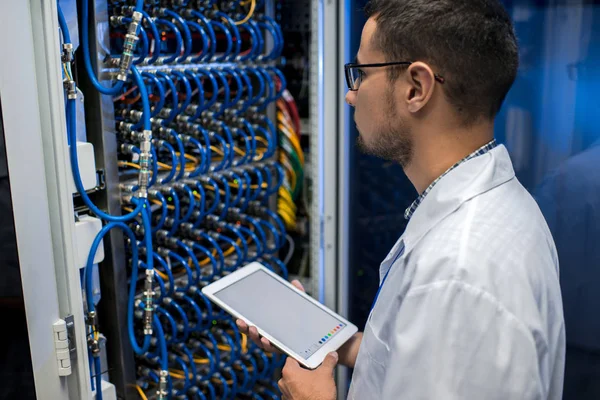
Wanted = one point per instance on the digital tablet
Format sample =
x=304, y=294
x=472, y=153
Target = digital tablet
x=293, y=322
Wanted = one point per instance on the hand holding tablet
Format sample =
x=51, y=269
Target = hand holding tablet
x=286, y=317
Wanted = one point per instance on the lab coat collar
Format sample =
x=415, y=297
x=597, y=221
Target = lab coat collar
x=468, y=180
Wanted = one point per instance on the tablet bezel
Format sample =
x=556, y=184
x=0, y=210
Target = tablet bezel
x=315, y=359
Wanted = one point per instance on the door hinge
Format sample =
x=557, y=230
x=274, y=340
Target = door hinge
x=64, y=344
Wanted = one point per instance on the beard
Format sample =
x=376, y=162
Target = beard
x=392, y=141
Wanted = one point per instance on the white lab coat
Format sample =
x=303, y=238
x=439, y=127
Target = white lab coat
x=471, y=308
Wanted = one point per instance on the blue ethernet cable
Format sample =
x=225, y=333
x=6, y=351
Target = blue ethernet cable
x=279, y=224
x=164, y=210
x=261, y=85
x=187, y=35
x=226, y=199
x=162, y=344
x=236, y=38
x=191, y=203
x=214, y=85
x=197, y=327
x=208, y=254
x=177, y=212
x=200, y=88
x=234, y=230
x=174, y=98
x=85, y=43
x=228, y=38
x=155, y=37
x=205, y=44
x=185, y=322
x=259, y=247
x=173, y=134
x=193, y=259
x=165, y=267
x=174, y=161
x=98, y=376
x=225, y=161
x=249, y=89
x=174, y=330
x=203, y=167
x=211, y=34
x=205, y=316
x=213, y=242
x=260, y=40
x=161, y=92
x=188, y=91
x=226, y=102
x=161, y=284
x=188, y=270
x=186, y=373
x=178, y=39
x=202, y=203
x=239, y=87
x=243, y=386
x=238, y=251
x=215, y=189
x=240, y=189
x=64, y=27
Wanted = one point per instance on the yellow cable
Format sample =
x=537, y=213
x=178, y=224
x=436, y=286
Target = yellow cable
x=294, y=141
x=244, y=343
x=161, y=274
x=283, y=159
x=189, y=157
x=128, y=209
x=250, y=13
x=217, y=150
x=128, y=164
x=141, y=392
x=160, y=204
x=201, y=361
x=239, y=151
x=263, y=141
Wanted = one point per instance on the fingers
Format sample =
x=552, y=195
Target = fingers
x=253, y=334
x=242, y=326
x=330, y=362
x=284, y=389
x=298, y=285
x=266, y=345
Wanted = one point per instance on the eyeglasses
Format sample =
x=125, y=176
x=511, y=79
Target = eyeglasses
x=354, y=73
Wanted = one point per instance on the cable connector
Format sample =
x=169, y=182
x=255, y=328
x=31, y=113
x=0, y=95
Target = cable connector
x=92, y=318
x=149, y=302
x=144, y=174
x=71, y=89
x=67, y=54
x=131, y=40
x=94, y=346
x=162, y=385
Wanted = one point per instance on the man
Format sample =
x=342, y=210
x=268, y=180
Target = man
x=469, y=305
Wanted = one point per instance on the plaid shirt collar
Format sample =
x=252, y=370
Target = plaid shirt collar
x=479, y=152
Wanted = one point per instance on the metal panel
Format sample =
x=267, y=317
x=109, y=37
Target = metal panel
x=112, y=310
x=324, y=152
x=58, y=176
x=345, y=154
x=25, y=156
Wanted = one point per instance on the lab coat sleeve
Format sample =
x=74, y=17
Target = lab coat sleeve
x=455, y=341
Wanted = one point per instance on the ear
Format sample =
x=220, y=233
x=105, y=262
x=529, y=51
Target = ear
x=421, y=82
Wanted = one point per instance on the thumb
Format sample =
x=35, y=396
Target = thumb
x=298, y=285
x=330, y=362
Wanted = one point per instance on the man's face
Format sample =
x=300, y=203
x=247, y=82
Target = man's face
x=383, y=132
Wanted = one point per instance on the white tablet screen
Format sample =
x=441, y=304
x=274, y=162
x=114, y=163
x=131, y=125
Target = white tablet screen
x=291, y=319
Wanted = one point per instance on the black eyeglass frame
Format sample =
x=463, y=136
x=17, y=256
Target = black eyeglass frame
x=350, y=66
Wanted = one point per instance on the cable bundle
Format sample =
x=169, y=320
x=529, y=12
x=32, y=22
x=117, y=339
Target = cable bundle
x=198, y=167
